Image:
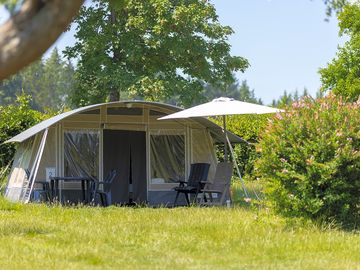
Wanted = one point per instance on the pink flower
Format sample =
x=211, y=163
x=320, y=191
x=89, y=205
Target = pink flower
x=279, y=116
x=339, y=133
x=247, y=200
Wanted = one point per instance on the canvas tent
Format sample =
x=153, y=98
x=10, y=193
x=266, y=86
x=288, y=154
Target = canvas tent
x=149, y=155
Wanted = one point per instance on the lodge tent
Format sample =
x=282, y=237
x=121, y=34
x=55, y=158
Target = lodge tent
x=148, y=155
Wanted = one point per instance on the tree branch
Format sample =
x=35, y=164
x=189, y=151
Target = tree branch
x=28, y=34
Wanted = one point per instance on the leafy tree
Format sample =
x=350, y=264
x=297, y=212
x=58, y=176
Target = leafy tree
x=9, y=88
x=27, y=81
x=155, y=50
x=247, y=95
x=31, y=81
x=48, y=81
x=342, y=75
x=284, y=100
x=240, y=92
x=248, y=127
x=15, y=118
x=232, y=91
x=57, y=80
x=50, y=19
x=334, y=6
x=287, y=99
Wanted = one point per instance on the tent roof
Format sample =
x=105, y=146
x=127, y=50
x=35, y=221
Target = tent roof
x=214, y=129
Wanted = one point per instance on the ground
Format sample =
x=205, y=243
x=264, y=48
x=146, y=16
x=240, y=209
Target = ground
x=38, y=236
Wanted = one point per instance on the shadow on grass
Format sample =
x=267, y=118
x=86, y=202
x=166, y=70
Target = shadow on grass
x=30, y=231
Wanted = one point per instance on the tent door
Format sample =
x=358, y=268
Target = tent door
x=125, y=151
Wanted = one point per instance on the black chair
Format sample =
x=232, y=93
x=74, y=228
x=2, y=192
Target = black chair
x=44, y=192
x=196, y=181
x=103, y=188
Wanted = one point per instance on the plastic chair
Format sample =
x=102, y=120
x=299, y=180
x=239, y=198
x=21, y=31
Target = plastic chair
x=103, y=188
x=219, y=186
x=44, y=192
x=197, y=178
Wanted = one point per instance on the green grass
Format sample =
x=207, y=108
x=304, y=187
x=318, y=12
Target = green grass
x=52, y=237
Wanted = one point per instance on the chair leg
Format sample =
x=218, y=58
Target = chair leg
x=47, y=196
x=204, y=198
x=102, y=199
x=187, y=198
x=176, y=198
x=106, y=200
x=196, y=194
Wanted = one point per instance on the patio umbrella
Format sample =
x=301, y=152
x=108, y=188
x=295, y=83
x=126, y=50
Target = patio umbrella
x=222, y=106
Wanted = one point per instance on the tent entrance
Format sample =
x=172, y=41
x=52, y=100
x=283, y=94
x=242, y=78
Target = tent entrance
x=125, y=151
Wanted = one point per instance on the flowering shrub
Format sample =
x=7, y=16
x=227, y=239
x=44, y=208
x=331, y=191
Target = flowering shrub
x=310, y=160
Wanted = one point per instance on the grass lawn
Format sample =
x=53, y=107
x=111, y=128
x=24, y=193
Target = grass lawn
x=51, y=237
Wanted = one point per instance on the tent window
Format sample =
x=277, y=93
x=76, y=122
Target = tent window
x=81, y=153
x=23, y=160
x=156, y=113
x=96, y=111
x=124, y=111
x=203, y=150
x=167, y=158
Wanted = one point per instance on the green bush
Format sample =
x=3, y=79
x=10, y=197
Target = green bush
x=13, y=120
x=247, y=127
x=310, y=160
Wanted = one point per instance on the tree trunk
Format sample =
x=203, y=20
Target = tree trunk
x=114, y=93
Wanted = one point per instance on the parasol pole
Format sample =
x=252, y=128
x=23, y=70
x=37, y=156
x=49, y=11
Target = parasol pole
x=237, y=169
x=225, y=139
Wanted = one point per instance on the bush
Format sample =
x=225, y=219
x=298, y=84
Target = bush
x=13, y=120
x=247, y=127
x=310, y=160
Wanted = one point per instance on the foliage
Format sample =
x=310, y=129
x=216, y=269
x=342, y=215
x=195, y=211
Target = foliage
x=48, y=81
x=13, y=120
x=342, y=75
x=57, y=80
x=155, y=50
x=287, y=98
x=11, y=5
x=240, y=92
x=247, y=127
x=310, y=160
x=334, y=6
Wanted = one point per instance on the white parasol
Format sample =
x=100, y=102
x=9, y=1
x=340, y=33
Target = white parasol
x=223, y=106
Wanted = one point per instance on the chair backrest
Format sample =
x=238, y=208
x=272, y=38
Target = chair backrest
x=222, y=179
x=198, y=172
x=222, y=176
x=109, y=179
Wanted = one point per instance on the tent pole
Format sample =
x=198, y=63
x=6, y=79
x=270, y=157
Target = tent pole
x=35, y=167
x=225, y=139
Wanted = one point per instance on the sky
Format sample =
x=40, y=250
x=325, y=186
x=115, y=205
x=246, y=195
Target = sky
x=285, y=41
